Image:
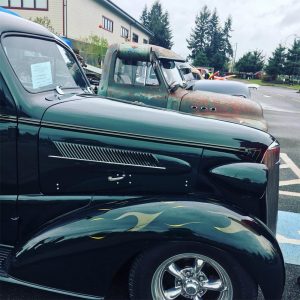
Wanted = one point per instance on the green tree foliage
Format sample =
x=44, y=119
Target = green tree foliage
x=209, y=42
x=292, y=65
x=44, y=21
x=157, y=21
x=276, y=63
x=251, y=62
x=93, y=49
x=199, y=37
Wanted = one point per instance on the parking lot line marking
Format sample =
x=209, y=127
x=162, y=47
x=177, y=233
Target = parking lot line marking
x=289, y=182
x=284, y=166
x=288, y=236
x=287, y=193
x=284, y=240
x=291, y=164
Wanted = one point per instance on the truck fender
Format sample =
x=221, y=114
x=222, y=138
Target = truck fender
x=142, y=223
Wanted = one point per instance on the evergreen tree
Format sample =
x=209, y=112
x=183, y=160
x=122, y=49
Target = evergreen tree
x=276, y=63
x=157, y=21
x=145, y=17
x=292, y=65
x=227, y=36
x=209, y=41
x=251, y=62
x=199, y=37
x=200, y=59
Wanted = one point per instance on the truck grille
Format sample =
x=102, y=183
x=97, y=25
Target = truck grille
x=272, y=161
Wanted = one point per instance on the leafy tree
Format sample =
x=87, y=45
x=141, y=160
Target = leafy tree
x=292, y=65
x=209, y=41
x=44, y=21
x=276, y=63
x=157, y=21
x=251, y=62
x=93, y=49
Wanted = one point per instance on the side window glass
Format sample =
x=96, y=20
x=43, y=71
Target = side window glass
x=136, y=73
x=7, y=104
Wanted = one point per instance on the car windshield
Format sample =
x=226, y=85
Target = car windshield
x=171, y=73
x=43, y=65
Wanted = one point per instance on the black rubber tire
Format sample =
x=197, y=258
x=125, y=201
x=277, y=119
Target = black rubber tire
x=145, y=265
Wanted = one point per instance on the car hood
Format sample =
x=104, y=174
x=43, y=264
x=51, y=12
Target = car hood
x=110, y=117
x=224, y=107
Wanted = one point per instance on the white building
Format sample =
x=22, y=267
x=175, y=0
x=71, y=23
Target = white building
x=78, y=19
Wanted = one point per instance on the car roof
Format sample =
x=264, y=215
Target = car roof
x=10, y=23
x=224, y=87
x=144, y=51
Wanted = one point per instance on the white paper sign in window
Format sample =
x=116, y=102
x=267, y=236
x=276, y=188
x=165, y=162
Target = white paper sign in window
x=41, y=75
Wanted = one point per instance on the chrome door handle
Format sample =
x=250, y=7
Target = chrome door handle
x=111, y=178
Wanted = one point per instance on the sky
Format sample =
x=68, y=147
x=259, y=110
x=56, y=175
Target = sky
x=257, y=24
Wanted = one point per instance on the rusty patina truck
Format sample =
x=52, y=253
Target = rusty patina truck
x=148, y=74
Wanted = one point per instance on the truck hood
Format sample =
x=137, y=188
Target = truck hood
x=118, y=118
x=224, y=107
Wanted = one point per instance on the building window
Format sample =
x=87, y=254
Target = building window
x=107, y=24
x=124, y=32
x=145, y=41
x=135, y=38
x=25, y=4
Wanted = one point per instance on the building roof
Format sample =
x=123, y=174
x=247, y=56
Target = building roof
x=116, y=9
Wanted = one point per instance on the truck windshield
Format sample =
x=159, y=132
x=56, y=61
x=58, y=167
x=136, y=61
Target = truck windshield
x=42, y=65
x=171, y=73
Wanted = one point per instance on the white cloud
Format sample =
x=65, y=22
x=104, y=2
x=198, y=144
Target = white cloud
x=257, y=24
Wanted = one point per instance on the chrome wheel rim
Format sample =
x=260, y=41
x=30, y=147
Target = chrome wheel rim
x=191, y=276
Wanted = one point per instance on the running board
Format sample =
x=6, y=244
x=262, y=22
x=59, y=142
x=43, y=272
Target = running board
x=5, y=252
x=48, y=289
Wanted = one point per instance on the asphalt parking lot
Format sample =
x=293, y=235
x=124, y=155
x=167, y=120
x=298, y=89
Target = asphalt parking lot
x=282, y=111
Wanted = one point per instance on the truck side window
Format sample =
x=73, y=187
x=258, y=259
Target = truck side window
x=137, y=73
x=7, y=104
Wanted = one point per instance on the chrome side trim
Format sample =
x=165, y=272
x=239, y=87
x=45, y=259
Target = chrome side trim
x=48, y=289
x=147, y=138
x=29, y=121
x=8, y=118
x=104, y=155
x=101, y=162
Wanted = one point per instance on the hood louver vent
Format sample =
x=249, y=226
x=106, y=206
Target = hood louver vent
x=106, y=155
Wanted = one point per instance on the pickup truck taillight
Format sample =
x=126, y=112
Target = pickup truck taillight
x=272, y=155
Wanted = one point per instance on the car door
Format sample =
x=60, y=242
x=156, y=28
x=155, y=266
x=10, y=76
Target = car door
x=8, y=165
x=137, y=81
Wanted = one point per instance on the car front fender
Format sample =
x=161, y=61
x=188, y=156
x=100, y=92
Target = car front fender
x=104, y=237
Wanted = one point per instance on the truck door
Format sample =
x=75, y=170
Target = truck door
x=137, y=81
x=8, y=165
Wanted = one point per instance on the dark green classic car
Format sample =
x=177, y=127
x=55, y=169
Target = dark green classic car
x=96, y=194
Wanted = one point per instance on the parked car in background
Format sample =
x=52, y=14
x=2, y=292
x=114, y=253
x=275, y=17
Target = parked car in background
x=96, y=194
x=148, y=74
x=229, y=87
